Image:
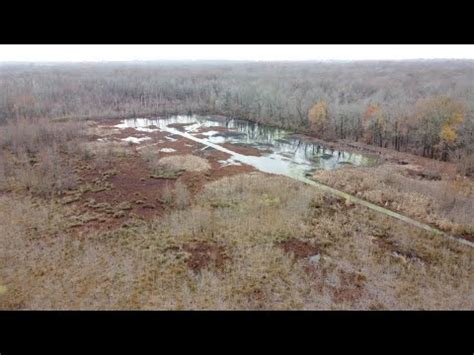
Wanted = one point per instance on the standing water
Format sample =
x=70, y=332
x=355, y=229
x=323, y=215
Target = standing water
x=282, y=153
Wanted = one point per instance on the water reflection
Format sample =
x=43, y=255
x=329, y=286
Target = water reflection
x=282, y=153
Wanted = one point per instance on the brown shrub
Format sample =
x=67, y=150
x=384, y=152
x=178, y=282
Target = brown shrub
x=178, y=197
x=182, y=197
x=43, y=266
x=447, y=203
x=35, y=163
x=151, y=155
x=167, y=195
x=49, y=176
x=32, y=134
x=466, y=164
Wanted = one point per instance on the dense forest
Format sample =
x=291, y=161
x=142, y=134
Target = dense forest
x=422, y=107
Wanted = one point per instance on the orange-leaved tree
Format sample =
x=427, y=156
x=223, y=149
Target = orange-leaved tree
x=318, y=117
x=438, y=120
x=374, y=125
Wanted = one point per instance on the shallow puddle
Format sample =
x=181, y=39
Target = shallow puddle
x=135, y=140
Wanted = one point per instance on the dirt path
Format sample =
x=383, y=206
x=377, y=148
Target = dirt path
x=351, y=198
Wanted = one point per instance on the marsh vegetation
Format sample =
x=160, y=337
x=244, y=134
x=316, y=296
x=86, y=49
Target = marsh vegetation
x=92, y=220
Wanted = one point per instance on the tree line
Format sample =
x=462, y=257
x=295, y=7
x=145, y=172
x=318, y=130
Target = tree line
x=422, y=107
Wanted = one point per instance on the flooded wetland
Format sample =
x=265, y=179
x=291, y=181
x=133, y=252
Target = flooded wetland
x=233, y=185
x=280, y=152
x=202, y=212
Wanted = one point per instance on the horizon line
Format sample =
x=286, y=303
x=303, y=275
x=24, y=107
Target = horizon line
x=229, y=60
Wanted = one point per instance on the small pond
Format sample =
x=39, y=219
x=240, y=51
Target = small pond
x=282, y=153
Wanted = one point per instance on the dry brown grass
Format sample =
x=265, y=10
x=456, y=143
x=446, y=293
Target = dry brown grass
x=465, y=164
x=177, y=197
x=182, y=196
x=51, y=175
x=367, y=261
x=103, y=154
x=32, y=155
x=43, y=266
x=446, y=203
x=185, y=162
x=172, y=166
x=151, y=155
x=30, y=135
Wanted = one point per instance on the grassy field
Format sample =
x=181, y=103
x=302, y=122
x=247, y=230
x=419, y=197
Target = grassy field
x=88, y=224
x=441, y=200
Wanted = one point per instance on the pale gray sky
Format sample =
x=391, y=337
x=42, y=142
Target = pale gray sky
x=79, y=53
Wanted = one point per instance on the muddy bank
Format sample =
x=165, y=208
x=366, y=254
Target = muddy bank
x=124, y=190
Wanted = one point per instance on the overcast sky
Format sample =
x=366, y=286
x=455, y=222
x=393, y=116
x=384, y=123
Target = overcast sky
x=79, y=53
